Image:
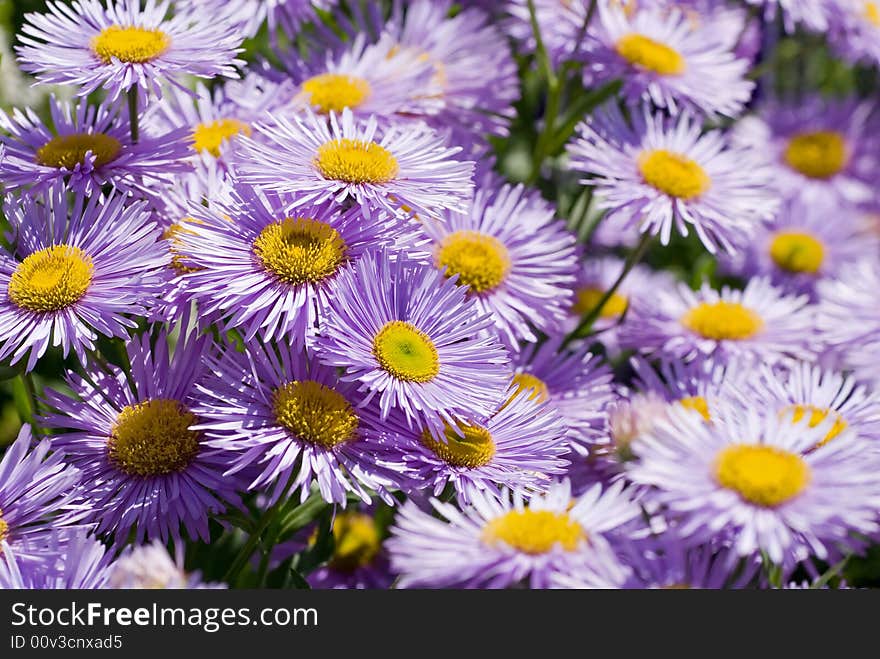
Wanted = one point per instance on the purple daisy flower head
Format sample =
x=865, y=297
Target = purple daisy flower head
x=249, y=15
x=820, y=151
x=122, y=46
x=596, y=276
x=801, y=246
x=665, y=58
x=38, y=493
x=145, y=469
x=812, y=14
x=76, y=272
x=664, y=174
x=760, y=477
x=288, y=422
x=500, y=542
x=519, y=447
x=413, y=338
x=151, y=567
x=87, y=148
x=855, y=30
x=474, y=75
x=561, y=23
x=406, y=166
x=514, y=258
x=848, y=317
x=270, y=271
x=574, y=383
x=668, y=563
x=808, y=391
x=758, y=324
x=70, y=559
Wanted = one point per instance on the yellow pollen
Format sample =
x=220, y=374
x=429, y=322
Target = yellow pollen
x=300, y=250
x=820, y=154
x=179, y=261
x=357, y=541
x=68, y=151
x=356, y=161
x=645, y=53
x=153, y=438
x=480, y=261
x=315, y=413
x=333, y=92
x=697, y=404
x=4, y=529
x=534, y=531
x=723, y=321
x=131, y=45
x=52, y=279
x=796, y=251
x=588, y=297
x=817, y=416
x=531, y=386
x=466, y=446
x=673, y=174
x=210, y=137
x=406, y=352
x=872, y=13
x=762, y=475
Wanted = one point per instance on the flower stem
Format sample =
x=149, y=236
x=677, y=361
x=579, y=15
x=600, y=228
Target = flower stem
x=590, y=317
x=27, y=380
x=133, y=113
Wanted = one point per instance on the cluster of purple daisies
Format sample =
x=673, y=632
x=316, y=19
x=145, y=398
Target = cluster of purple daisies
x=302, y=302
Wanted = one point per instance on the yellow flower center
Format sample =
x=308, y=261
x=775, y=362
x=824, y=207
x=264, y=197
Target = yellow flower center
x=68, y=151
x=406, y=352
x=872, y=13
x=315, y=413
x=356, y=539
x=300, y=250
x=209, y=137
x=51, y=279
x=820, y=154
x=465, y=446
x=534, y=531
x=356, y=161
x=480, y=261
x=588, y=297
x=333, y=92
x=796, y=251
x=817, y=416
x=762, y=475
x=723, y=321
x=645, y=53
x=673, y=174
x=132, y=45
x=4, y=529
x=697, y=404
x=153, y=438
x=180, y=261
x=528, y=385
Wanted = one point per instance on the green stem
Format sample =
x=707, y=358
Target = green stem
x=830, y=573
x=554, y=97
x=590, y=317
x=29, y=386
x=254, y=539
x=579, y=109
x=133, y=117
x=540, y=49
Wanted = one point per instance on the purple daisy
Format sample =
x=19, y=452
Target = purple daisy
x=664, y=58
x=670, y=564
x=502, y=542
x=820, y=151
x=270, y=271
x=150, y=567
x=757, y=324
x=812, y=14
x=359, y=560
x=121, y=46
x=290, y=421
x=760, y=477
x=69, y=559
x=575, y=383
x=855, y=30
x=76, y=272
x=519, y=447
x=803, y=245
x=514, y=258
x=413, y=338
x=406, y=166
x=145, y=469
x=250, y=15
x=561, y=23
x=664, y=174
x=87, y=148
x=38, y=493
